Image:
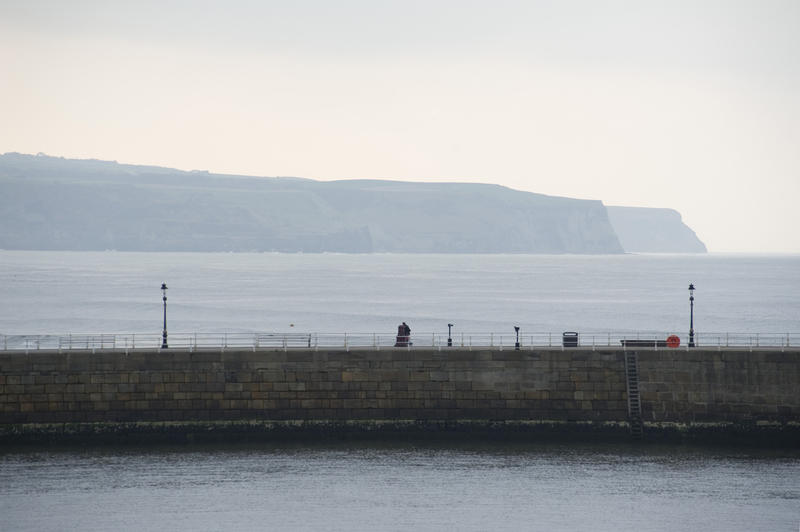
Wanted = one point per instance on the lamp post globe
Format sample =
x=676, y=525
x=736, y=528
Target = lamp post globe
x=691, y=314
x=164, y=333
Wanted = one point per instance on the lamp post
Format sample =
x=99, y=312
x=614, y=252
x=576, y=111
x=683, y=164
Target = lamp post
x=516, y=330
x=164, y=334
x=691, y=315
x=449, y=336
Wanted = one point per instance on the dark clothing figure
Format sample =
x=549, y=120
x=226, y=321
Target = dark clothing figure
x=403, y=335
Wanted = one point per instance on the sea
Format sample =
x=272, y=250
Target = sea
x=398, y=485
x=113, y=292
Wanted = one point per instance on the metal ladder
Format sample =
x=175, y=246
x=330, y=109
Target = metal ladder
x=634, y=401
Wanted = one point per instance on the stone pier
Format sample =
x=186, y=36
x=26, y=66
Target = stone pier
x=682, y=391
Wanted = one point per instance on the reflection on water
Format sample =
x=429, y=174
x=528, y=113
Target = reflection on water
x=357, y=486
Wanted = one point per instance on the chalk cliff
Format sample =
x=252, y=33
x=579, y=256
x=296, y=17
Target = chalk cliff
x=653, y=230
x=65, y=204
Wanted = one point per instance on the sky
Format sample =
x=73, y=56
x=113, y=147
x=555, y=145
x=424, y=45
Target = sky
x=691, y=105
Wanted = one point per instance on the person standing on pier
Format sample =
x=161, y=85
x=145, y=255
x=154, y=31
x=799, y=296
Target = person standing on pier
x=403, y=335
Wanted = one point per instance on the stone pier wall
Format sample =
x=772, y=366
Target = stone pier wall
x=573, y=385
x=697, y=385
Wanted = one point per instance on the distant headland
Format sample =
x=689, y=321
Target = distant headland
x=52, y=203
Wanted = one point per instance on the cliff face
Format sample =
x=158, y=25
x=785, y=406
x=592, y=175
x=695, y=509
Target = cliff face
x=653, y=230
x=54, y=203
x=471, y=218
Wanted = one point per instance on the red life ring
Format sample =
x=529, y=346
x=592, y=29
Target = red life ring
x=673, y=341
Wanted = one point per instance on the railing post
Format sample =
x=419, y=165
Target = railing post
x=550, y=339
x=491, y=339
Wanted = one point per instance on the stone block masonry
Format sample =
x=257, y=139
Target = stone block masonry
x=544, y=385
x=710, y=386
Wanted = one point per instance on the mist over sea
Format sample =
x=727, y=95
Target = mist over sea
x=45, y=292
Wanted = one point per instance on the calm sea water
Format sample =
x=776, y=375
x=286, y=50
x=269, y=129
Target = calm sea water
x=401, y=487
x=79, y=292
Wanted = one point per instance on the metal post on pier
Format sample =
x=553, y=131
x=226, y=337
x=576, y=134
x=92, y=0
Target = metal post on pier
x=164, y=333
x=691, y=314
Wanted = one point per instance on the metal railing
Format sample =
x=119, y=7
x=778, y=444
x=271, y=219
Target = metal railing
x=262, y=340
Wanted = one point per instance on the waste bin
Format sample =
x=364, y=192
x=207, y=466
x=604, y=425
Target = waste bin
x=569, y=339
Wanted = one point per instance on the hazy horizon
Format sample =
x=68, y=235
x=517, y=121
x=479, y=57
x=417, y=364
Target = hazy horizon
x=683, y=105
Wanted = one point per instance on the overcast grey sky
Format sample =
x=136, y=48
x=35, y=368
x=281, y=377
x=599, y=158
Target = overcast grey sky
x=693, y=105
